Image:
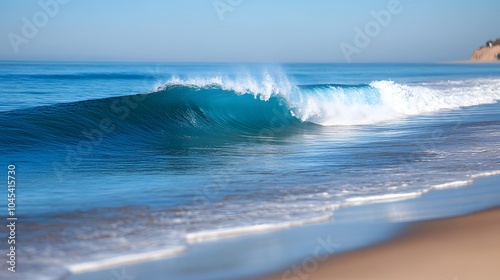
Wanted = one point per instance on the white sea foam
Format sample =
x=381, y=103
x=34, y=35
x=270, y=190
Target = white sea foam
x=455, y=184
x=387, y=100
x=346, y=105
x=123, y=260
x=261, y=87
x=230, y=232
x=383, y=198
x=486, y=174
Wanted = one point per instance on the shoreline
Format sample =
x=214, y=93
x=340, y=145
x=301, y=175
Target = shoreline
x=262, y=254
x=463, y=247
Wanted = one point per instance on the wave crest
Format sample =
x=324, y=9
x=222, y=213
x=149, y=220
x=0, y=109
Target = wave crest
x=363, y=104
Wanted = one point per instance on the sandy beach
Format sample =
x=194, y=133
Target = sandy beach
x=464, y=247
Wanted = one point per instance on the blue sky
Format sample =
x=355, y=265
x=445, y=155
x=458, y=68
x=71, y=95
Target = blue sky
x=246, y=30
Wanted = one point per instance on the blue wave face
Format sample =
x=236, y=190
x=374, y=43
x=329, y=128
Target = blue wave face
x=173, y=113
x=217, y=110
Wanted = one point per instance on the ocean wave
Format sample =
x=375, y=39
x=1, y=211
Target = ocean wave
x=342, y=104
x=217, y=106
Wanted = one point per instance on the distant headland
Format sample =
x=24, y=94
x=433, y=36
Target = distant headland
x=487, y=53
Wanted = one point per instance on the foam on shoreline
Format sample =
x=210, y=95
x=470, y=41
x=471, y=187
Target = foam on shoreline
x=486, y=174
x=383, y=198
x=230, y=232
x=455, y=184
x=210, y=235
x=124, y=260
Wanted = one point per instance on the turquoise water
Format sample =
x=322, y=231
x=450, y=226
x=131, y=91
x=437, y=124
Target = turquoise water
x=118, y=159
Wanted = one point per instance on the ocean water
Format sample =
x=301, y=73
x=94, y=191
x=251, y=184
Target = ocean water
x=132, y=159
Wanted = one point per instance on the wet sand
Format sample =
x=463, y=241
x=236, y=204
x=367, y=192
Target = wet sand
x=464, y=247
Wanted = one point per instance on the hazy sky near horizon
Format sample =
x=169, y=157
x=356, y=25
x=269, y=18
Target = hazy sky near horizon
x=246, y=30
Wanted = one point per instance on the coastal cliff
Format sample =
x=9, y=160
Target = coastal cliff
x=488, y=53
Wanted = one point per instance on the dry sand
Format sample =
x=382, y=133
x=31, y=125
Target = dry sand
x=466, y=247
